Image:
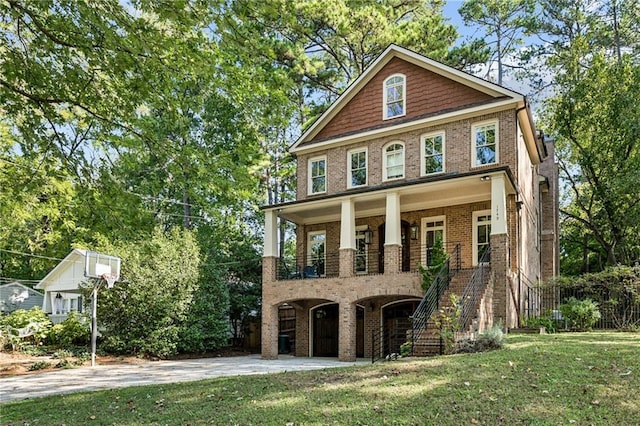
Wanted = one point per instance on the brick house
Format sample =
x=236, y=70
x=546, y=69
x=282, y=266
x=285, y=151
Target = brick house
x=412, y=155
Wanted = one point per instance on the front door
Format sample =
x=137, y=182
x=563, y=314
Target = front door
x=325, y=331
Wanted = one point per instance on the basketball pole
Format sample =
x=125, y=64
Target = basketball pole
x=94, y=321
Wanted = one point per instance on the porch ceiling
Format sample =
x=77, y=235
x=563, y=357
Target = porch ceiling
x=441, y=193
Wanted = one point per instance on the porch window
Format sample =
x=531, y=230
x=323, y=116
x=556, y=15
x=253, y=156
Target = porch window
x=361, y=255
x=357, y=160
x=394, y=96
x=316, y=255
x=432, y=153
x=317, y=175
x=485, y=143
x=393, y=161
x=481, y=234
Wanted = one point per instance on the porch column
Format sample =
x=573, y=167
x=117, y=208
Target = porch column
x=393, y=237
x=347, y=237
x=347, y=332
x=498, y=205
x=270, y=233
x=269, y=332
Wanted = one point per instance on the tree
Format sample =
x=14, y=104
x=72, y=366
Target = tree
x=504, y=23
x=144, y=312
x=598, y=140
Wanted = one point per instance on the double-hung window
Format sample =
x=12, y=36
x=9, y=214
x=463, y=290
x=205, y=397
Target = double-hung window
x=432, y=158
x=394, y=91
x=316, y=254
x=317, y=175
x=393, y=156
x=484, y=140
x=357, y=166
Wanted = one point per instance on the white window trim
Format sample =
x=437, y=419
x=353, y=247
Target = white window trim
x=366, y=167
x=404, y=96
x=366, y=251
x=476, y=215
x=310, y=177
x=444, y=149
x=385, y=177
x=474, y=126
x=423, y=234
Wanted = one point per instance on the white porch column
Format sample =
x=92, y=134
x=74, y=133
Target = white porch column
x=498, y=205
x=392, y=230
x=270, y=233
x=347, y=225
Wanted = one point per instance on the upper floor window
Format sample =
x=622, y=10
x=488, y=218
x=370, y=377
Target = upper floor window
x=357, y=165
x=393, y=158
x=484, y=143
x=394, y=96
x=432, y=159
x=317, y=175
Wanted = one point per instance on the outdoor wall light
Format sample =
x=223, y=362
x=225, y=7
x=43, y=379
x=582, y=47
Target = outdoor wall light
x=485, y=178
x=368, y=236
x=414, y=228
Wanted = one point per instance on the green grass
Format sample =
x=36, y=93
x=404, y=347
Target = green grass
x=581, y=378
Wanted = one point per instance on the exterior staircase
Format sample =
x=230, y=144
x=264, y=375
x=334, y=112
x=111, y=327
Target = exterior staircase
x=469, y=285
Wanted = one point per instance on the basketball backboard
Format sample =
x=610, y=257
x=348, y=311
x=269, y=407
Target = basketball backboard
x=98, y=265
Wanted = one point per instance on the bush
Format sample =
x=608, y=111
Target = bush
x=549, y=324
x=581, y=314
x=490, y=339
x=75, y=330
x=21, y=318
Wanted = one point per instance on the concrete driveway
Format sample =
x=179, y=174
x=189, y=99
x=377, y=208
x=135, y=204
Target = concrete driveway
x=154, y=372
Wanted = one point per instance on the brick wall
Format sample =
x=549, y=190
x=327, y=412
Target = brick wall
x=457, y=153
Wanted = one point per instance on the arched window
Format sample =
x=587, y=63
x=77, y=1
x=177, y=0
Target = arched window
x=393, y=161
x=394, y=97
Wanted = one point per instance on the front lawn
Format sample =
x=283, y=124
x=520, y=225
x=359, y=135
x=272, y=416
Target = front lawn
x=570, y=378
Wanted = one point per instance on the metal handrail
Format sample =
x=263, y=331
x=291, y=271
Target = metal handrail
x=473, y=291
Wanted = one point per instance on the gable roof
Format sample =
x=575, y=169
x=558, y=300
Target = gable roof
x=497, y=92
x=76, y=255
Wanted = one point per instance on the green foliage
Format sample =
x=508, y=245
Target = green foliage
x=39, y=365
x=447, y=323
x=35, y=318
x=143, y=313
x=490, y=339
x=437, y=258
x=405, y=348
x=74, y=330
x=582, y=314
x=616, y=290
x=550, y=325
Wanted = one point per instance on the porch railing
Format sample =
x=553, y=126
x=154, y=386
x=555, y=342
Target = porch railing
x=473, y=291
x=300, y=267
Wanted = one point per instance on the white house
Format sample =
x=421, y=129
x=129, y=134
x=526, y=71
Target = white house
x=61, y=286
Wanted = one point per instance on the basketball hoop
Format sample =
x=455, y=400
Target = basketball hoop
x=110, y=279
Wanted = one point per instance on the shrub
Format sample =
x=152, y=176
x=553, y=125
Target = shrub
x=549, y=324
x=21, y=318
x=581, y=314
x=437, y=258
x=75, y=330
x=490, y=339
x=447, y=322
x=405, y=349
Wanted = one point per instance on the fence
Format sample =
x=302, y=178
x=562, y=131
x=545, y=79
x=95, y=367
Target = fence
x=619, y=310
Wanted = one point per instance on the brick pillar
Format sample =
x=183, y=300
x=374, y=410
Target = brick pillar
x=269, y=269
x=499, y=274
x=269, y=331
x=302, y=331
x=347, y=332
x=347, y=257
x=392, y=256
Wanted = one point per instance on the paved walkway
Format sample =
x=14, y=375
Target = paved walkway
x=81, y=379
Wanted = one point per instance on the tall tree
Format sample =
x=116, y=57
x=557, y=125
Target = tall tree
x=504, y=24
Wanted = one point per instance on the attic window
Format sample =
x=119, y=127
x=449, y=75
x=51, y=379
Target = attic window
x=394, y=96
